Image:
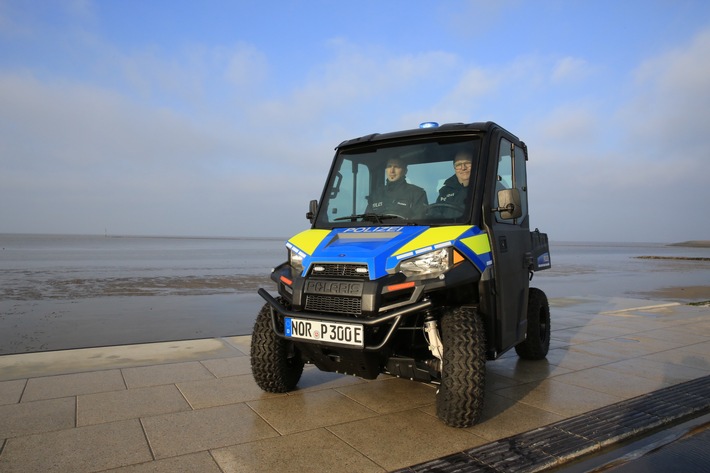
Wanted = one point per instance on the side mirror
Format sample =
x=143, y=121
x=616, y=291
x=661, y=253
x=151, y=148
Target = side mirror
x=509, y=204
x=312, y=209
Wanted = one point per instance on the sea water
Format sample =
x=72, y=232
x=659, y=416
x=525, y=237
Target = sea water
x=71, y=291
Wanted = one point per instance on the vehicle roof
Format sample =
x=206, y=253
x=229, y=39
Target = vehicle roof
x=441, y=129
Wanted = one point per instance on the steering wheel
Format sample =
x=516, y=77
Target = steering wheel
x=444, y=205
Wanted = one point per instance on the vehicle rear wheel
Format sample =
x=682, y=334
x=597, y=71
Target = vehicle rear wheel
x=537, y=341
x=276, y=363
x=459, y=402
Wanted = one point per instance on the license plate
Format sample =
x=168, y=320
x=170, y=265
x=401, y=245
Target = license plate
x=322, y=331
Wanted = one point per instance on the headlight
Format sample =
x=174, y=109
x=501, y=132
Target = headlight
x=296, y=261
x=429, y=265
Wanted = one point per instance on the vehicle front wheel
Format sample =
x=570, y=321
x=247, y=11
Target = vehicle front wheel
x=459, y=402
x=276, y=363
x=537, y=340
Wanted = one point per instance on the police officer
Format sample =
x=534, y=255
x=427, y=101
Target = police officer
x=398, y=196
x=455, y=189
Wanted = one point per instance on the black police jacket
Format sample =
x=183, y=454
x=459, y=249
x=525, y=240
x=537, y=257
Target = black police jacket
x=399, y=198
x=454, y=194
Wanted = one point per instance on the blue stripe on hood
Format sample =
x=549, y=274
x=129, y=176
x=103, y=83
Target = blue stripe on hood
x=364, y=245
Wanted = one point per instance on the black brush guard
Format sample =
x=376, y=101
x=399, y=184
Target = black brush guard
x=395, y=316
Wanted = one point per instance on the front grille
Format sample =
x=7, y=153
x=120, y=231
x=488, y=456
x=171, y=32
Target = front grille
x=340, y=270
x=334, y=304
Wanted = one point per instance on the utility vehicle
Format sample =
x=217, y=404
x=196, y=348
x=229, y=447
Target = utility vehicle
x=429, y=295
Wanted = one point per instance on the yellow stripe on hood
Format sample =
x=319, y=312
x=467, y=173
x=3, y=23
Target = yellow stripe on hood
x=432, y=237
x=309, y=240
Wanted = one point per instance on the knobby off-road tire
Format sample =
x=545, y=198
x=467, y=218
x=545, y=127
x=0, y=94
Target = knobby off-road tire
x=275, y=363
x=537, y=342
x=459, y=402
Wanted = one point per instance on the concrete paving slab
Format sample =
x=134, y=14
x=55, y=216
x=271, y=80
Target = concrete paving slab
x=525, y=371
x=88, y=359
x=606, y=381
x=679, y=335
x=619, y=348
x=573, y=360
x=240, y=342
x=232, y=366
x=683, y=356
x=703, y=325
x=10, y=391
x=194, y=431
x=129, y=404
x=607, y=305
x=83, y=449
x=165, y=374
x=503, y=417
x=495, y=381
x=620, y=305
x=575, y=335
x=309, y=410
x=666, y=373
x=559, y=398
x=404, y=438
x=64, y=385
x=641, y=323
x=314, y=450
x=700, y=348
x=34, y=417
x=195, y=403
x=201, y=462
x=223, y=391
x=598, y=332
x=387, y=394
x=314, y=379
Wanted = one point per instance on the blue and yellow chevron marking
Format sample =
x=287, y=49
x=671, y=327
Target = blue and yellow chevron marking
x=431, y=238
x=477, y=248
x=468, y=240
x=382, y=248
x=307, y=241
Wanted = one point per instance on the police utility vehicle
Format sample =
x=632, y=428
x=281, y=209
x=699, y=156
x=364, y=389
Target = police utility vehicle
x=429, y=294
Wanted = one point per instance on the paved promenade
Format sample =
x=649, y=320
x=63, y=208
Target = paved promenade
x=193, y=406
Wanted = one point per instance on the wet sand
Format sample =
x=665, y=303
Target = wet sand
x=58, y=324
x=83, y=288
x=695, y=295
x=693, y=244
x=76, y=313
x=690, y=294
x=41, y=310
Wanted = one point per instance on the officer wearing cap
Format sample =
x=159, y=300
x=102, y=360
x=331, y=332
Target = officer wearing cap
x=398, y=196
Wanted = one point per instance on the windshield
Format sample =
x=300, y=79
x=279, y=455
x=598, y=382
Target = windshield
x=422, y=183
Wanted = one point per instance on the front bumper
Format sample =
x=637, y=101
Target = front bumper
x=393, y=318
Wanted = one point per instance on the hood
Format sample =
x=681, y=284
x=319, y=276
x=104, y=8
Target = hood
x=382, y=248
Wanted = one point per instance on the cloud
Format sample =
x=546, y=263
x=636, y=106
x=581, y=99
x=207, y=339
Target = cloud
x=245, y=66
x=198, y=139
x=80, y=157
x=570, y=69
x=357, y=75
x=635, y=170
x=671, y=106
x=76, y=125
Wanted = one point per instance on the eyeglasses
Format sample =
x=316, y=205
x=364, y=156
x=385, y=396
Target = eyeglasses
x=462, y=165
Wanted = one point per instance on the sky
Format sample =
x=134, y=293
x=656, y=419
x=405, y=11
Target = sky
x=220, y=118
